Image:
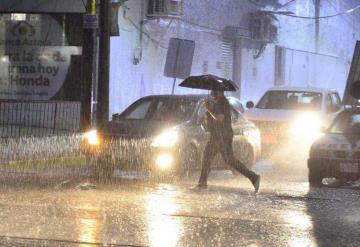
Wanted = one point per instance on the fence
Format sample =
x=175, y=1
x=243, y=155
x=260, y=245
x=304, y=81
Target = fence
x=38, y=118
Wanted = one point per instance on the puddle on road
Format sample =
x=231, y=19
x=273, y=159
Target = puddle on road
x=161, y=228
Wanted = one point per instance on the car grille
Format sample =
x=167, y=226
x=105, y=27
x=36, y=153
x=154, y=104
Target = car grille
x=346, y=155
x=123, y=137
x=320, y=153
x=356, y=155
x=340, y=154
x=337, y=154
x=126, y=147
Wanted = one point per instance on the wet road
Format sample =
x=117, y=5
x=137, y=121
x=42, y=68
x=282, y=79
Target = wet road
x=39, y=211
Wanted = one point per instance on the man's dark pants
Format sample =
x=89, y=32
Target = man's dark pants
x=222, y=145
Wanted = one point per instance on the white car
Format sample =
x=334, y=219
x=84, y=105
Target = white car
x=290, y=118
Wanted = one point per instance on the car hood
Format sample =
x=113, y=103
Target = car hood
x=257, y=114
x=338, y=141
x=136, y=128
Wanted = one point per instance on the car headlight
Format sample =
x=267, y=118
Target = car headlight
x=91, y=137
x=306, y=125
x=166, y=139
x=164, y=162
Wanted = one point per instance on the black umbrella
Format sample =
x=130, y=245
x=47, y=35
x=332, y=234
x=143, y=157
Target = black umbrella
x=209, y=82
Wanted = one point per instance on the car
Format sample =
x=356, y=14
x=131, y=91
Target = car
x=163, y=134
x=290, y=118
x=337, y=153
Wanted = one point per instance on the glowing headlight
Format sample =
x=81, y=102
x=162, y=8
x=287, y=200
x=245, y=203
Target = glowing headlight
x=164, y=161
x=166, y=139
x=91, y=137
x=306, y=125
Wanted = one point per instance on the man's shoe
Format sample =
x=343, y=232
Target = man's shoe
x=256, y=184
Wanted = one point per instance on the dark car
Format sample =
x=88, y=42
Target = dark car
x=164, y=134
x=337, y=153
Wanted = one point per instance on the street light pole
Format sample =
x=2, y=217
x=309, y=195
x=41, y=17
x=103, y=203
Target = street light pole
x=88, y=63
x=104, y=57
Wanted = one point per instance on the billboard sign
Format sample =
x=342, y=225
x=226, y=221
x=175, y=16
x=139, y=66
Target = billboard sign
x=34, y=58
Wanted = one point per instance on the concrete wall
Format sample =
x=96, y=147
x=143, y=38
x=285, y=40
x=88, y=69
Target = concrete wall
x=337, y=38
x=128, y=82
x=204, y=20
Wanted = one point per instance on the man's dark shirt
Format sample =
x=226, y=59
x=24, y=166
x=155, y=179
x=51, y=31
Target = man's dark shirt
x=220, y=128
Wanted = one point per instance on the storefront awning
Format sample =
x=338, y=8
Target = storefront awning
x=42, y=6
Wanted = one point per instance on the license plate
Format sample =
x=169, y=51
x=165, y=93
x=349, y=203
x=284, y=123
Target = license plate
x=269, y=139
x=349, y=167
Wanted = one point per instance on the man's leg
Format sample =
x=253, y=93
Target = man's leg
x=228, y=155
x=209, y=153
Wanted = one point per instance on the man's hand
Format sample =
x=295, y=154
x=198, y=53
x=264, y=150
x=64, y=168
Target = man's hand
x=208, y=105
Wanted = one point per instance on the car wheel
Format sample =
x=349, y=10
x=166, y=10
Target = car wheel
x=101, y=168
x=315, y=178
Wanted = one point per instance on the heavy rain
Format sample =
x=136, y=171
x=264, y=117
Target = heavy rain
x=180, y=123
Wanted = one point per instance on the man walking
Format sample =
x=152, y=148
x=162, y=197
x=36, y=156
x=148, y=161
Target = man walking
x=221, y=137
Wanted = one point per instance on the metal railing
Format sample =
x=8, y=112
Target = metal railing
x=38, y=118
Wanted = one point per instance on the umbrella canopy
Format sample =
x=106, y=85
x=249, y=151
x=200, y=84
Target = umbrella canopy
x=209, y=82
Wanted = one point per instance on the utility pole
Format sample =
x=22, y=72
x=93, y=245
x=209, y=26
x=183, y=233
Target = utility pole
x=317, y=24
x=88, y=62
x=104, y=57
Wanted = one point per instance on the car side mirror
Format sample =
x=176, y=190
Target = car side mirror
x=250, y=104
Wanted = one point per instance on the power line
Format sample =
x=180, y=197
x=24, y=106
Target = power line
x=280, y=5
x=304, y=17
x=199, y=25
x=286, y=4
x=84, y=4
x=157, y=42
x=314, y=18
x=255, y=3
x=333, y=7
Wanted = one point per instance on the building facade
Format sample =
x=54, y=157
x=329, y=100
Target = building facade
x=313, y=47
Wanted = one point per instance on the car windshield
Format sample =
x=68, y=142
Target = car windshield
x=169, y=109
x=346, y=123
x=290, y=100
x=161, y=109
